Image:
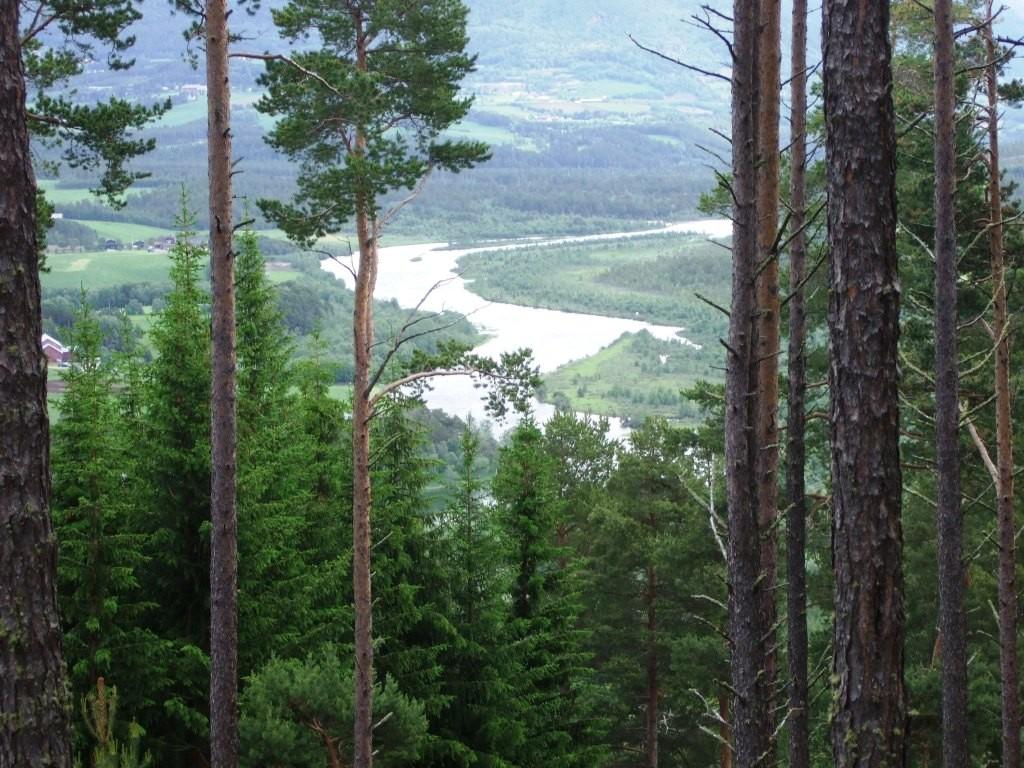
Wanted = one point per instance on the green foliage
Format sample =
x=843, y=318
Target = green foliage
x=650, y=559
x=173, y=510
x=386, y=111
x=479, y=671
x=58, y=39
x=584, y=458
x=411, y=623
x=263, y=346
x=509, y=381
x=512, y=622
x=635, y=377
x=524, y=490
x=299, y=714
x=552, y=682
x=44, y=221
x=280, y=610
x=99, y=710
x=100, y=553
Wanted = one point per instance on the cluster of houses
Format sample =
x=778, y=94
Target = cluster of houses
x=152, y=245
x=164, y=243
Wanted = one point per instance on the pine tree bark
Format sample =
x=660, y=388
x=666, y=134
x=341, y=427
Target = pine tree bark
x=1007, y=579
x=223, y=507
x=746, y=631
x=361, y=489
x=766, y=351
x=796, y=454
x=34, y=707
x=952, y=619
x=870, y=721
x=362, y=413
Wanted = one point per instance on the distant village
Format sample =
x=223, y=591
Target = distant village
x=154, y=244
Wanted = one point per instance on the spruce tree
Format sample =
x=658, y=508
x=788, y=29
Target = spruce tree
x=325, y=536
x=264, y=348
x=412, y=629
x=274, y=604
x=174, y=510
x=100, y=555
x=542, y=625
x=584, y=459
x=650, y=554
x=479, y=664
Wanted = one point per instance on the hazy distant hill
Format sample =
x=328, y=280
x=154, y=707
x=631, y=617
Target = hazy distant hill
x=586, y=128
x=583, y=48
x=537, y=58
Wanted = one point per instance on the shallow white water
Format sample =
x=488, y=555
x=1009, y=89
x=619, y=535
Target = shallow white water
x=407, y=273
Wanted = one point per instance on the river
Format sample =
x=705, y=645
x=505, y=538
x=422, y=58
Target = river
x=407, y=272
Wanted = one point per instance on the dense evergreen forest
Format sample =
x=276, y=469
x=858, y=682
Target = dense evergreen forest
x=236, y=537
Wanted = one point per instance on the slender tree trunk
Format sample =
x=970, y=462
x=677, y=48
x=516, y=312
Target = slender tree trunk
x=362, y=537
x=651, y=730
x=1008, y=664
x=952, y=619
x=362, y=497
x=746, y=632
x=223, y=509
x=796, y=455
x=766, y=351
x=724, y=732
x=870, y=712
x=333, y=758
x=34, y=713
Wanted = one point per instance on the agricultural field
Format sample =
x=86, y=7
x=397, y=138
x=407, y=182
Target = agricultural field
x=183, y=114
x=104, y=269
x=123, y=231
x=59, y=195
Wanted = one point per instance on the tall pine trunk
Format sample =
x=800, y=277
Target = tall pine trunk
x=870, y=712
x=952, y=619
x=362, y=413
x=746, y=631
x=1008, y=664
x=34, y=707
x=223, y=507
x=766, y=350
x=362, y=543
x=796, y=502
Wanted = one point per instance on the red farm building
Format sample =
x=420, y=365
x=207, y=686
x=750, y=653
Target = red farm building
x=55, y=352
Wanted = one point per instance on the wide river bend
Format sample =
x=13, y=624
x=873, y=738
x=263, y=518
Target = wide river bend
x=407, y=272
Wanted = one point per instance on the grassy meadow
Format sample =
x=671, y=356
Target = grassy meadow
x=635, y=376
